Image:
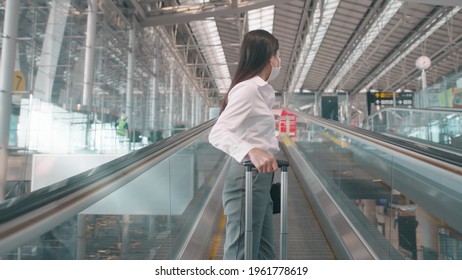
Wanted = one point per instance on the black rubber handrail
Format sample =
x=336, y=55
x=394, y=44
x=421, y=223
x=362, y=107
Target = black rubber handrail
x=419, y=148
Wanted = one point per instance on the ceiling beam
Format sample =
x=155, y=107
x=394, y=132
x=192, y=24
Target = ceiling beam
x=139, y=10
x=407, y=45
x=446, y=51
x=221, y=11
x=373, y=32
x=349, y=46
x=303, y=28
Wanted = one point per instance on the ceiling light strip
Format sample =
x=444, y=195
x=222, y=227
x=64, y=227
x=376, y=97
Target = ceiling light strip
x=312, y=42
x=382, y=20
x=305, y=49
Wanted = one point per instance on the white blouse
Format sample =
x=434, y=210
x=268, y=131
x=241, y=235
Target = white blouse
x=247, y=121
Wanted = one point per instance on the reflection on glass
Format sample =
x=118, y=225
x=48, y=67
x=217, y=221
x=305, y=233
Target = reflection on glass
x=442, y=127
x=49, y=114
x=149, y=218
x=370, y=179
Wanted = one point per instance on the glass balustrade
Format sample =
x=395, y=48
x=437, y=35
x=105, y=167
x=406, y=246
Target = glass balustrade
x=414, y=205
x=148, y=218
x=438, y=126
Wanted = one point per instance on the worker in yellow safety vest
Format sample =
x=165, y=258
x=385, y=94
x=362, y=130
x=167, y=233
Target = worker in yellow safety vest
x=122, y=126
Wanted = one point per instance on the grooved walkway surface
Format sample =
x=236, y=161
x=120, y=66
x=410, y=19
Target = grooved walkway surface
x=305, y=238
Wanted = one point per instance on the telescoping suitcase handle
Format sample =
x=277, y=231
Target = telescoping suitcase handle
x=248, y=209
x=281, y=164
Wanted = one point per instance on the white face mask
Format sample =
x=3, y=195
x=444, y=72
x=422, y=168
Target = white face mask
x=275, y=71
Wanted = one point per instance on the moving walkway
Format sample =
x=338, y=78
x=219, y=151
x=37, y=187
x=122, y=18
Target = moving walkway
x=406, y=191
x=353, y=194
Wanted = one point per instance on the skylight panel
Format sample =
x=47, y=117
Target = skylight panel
x=261, y=18
x=382, y=20
x=312, y=42
x=208, y=38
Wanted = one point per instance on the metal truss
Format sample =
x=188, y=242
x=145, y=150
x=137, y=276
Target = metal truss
x=405, y=47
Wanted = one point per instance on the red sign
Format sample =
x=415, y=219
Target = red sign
x=457, y=99
x=288, y=118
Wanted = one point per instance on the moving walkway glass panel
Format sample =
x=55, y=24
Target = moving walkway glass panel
x=150, y=217
x=438, y=126
x=414, y=205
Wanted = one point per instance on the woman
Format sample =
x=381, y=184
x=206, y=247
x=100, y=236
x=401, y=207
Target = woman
x=245, y=130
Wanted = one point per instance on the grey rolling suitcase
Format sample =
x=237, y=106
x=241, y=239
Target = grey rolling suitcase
x=283, y=165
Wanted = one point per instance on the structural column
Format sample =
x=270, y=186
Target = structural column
x=89, y=68
x=198, y=110
x=426, y=232
x=75, y=82
x=316, y=107
x=183, y=101
x=154, y=90
x=424, y=90
x=347, y=108
x=51, y=48
x=205, y=113
x=193, y=108
x=130, y=78
x=10, y=30
x=170, y=97
x=81, y=236
x=125, y=246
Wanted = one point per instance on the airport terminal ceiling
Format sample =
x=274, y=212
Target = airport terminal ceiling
x=325, y=45
x=328, y=45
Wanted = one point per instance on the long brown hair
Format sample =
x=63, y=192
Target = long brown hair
x=257, y=48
